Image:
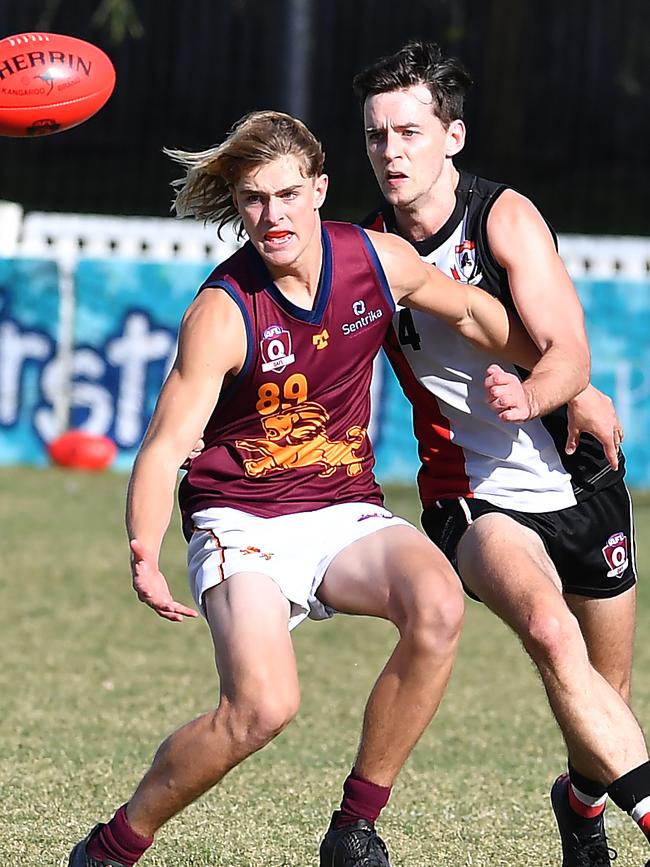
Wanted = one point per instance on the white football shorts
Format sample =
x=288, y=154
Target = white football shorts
x=294, y=550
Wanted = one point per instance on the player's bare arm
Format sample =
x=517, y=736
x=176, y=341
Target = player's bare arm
x=472, y=312
x=549, y=308
x=212, y=345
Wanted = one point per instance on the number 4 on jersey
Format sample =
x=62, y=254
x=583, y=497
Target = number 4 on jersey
x=406, y=330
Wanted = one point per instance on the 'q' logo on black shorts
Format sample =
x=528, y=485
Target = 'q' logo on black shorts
x=615, y=553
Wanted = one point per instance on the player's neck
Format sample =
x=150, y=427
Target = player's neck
x=299, y=281
x=429, y=213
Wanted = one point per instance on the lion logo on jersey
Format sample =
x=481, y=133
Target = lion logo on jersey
x=297, y=437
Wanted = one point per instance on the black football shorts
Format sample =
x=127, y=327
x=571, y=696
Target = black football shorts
x=591, y=544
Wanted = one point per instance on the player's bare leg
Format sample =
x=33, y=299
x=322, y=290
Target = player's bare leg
x=608, y=627
x=400, y=576
x=248, y=618
x=506, y=565
x=396, y=574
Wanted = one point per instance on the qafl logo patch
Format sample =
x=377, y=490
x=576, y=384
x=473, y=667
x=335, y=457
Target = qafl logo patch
x=615, y=554
x=465, y=269
x=275, y=347
x=466, y=258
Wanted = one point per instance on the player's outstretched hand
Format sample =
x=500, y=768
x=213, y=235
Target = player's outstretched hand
x=593, y=412
x=151, y=586
x=505, y=394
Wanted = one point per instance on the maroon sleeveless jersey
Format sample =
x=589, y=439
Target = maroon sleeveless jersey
x=290, y=432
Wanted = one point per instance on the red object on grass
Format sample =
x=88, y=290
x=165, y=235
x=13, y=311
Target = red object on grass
x=80, y=450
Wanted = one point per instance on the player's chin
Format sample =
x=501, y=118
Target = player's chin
x=398, y=195
x=395, y=197
x=280, y=259
x=279, y=254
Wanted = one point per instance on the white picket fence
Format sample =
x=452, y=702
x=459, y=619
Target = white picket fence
x=603, y=256
x=68, y=237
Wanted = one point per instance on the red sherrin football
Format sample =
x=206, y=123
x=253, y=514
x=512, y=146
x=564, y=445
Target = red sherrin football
x=81, y=450
x=50, y=82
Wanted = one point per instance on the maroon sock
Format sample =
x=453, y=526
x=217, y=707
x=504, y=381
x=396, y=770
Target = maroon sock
x=117, y=841
x=361, y=800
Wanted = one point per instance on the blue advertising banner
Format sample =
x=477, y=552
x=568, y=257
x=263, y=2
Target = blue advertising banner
x=29, y=329
x=618, y=323
x=126, y=315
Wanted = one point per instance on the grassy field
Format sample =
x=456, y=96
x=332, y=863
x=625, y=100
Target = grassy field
x=92, y=681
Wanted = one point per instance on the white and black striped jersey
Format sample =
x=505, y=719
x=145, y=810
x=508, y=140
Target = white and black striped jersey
x=465, y=449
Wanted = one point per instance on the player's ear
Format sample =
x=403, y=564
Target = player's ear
x=455, y=137
x=320, y=190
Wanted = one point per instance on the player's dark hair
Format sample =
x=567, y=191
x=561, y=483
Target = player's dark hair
x=256, y=139
x=419, y=63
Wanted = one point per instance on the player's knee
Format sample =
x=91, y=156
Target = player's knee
x=253, y=723
x=272, y=717
x=433, y=619
x=550, y=636
x=269, y=717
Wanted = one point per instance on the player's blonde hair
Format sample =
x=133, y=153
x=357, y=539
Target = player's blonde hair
x=258, y=138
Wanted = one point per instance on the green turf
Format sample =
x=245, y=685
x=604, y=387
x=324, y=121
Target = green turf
x=91, y=682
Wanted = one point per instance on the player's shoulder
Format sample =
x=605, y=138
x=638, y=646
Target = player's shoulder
x=515, y=212
x=213, y=302
x=480, y=187
x=497, y=197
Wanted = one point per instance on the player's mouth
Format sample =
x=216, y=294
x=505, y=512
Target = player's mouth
x=277, y=237
x=394, y=179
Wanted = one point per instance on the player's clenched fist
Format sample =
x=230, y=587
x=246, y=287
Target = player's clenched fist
x=506, y=395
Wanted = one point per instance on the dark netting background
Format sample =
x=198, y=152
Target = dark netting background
x=559, y=110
